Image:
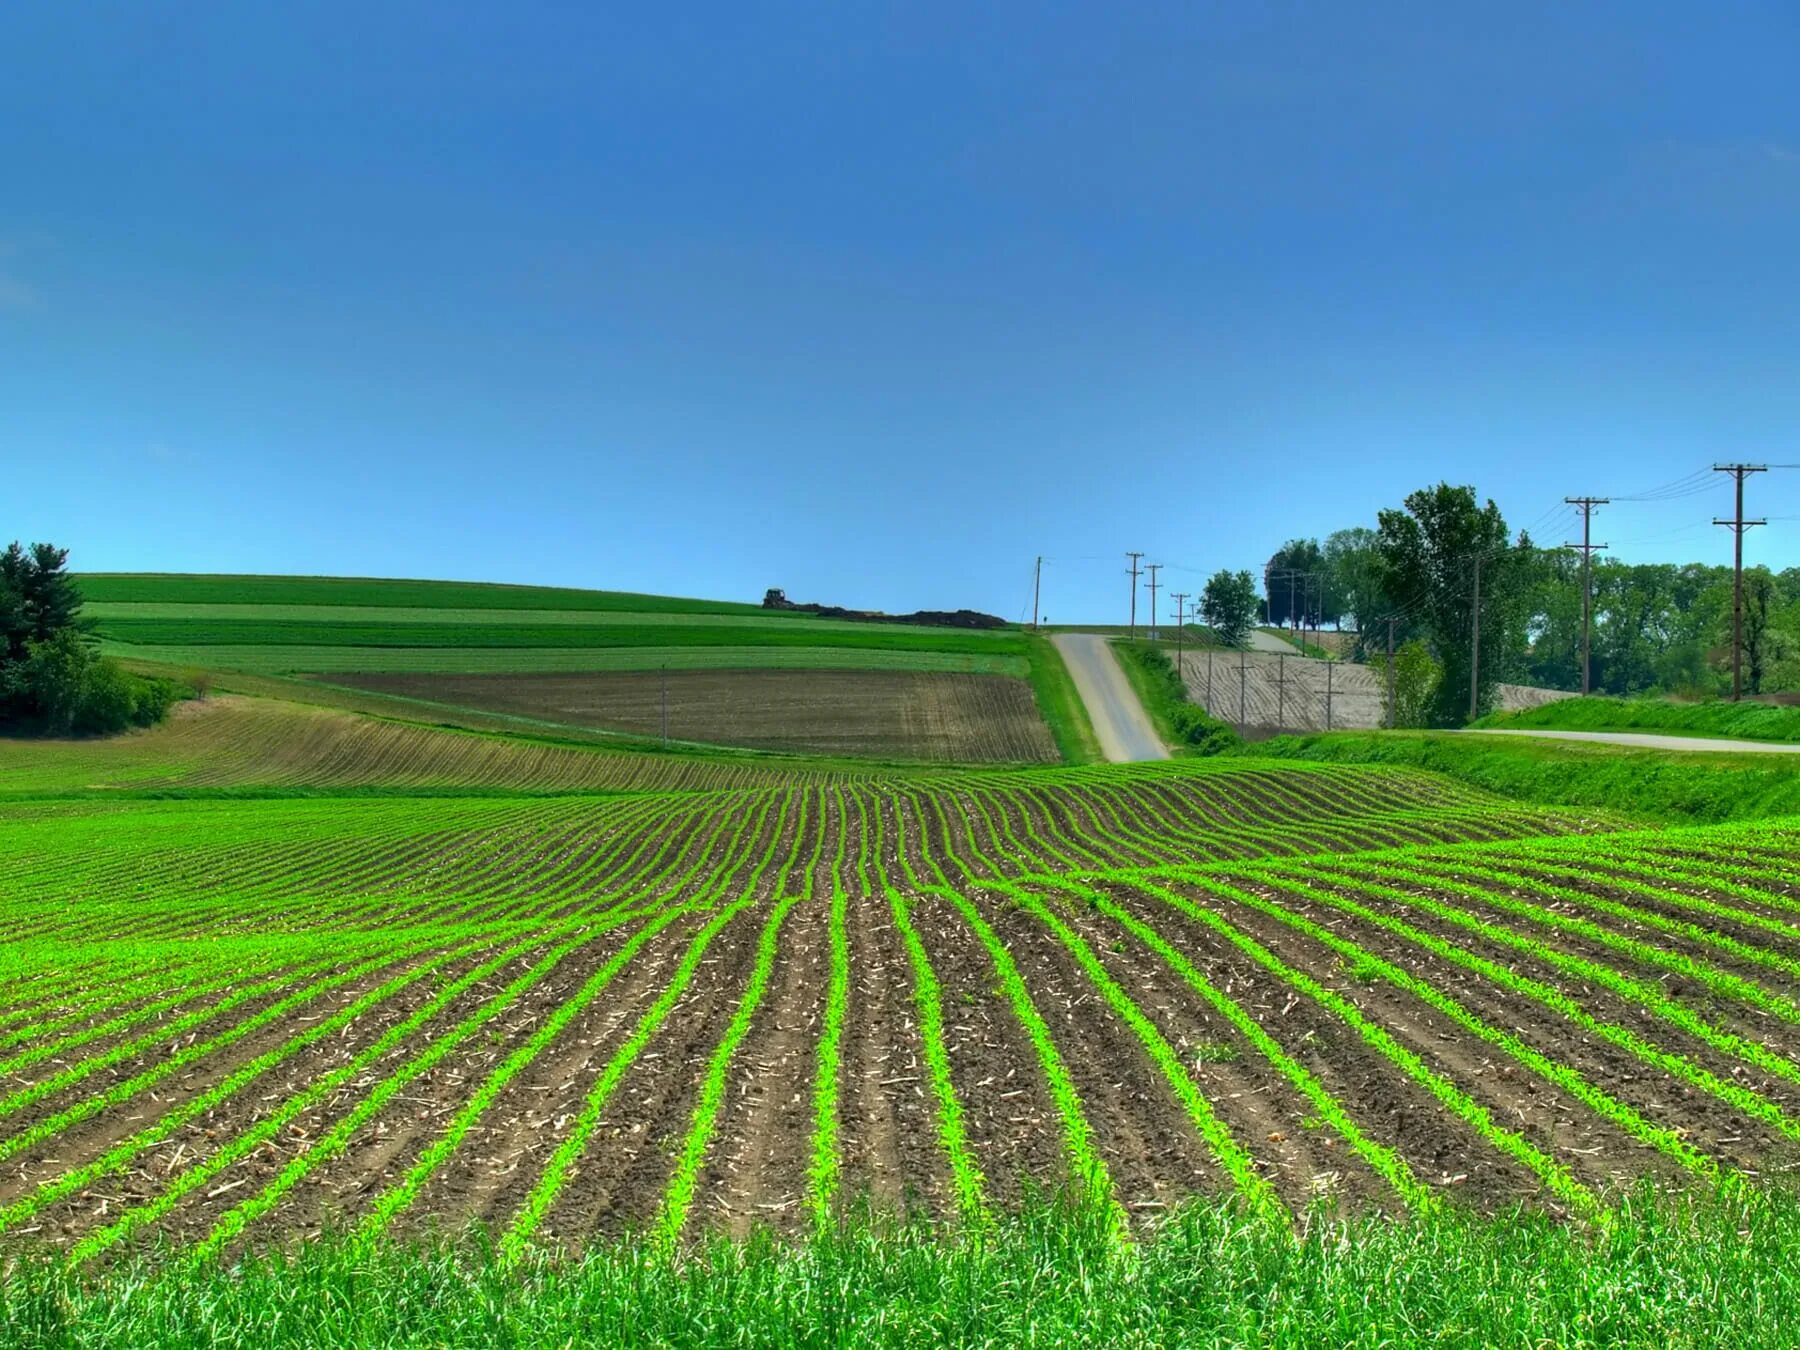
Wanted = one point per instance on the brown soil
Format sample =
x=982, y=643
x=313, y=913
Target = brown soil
x=888, y=714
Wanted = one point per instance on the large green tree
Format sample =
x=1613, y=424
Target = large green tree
x=1434, y=554
x=1228, y=606
x=1354, y=582
x=1296, y=582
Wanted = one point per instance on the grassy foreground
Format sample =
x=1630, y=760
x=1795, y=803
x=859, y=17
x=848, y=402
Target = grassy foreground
x=1746, y=721
x=1665, y=1272
x=1649, y=785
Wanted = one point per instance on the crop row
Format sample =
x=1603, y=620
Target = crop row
x=435, y=1037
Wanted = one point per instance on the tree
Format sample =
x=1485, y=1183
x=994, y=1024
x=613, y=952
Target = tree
x=1763, y=644
x=1416, y=677
x=51, y=679
x=41, y=596
x=1228, y=605
x=1429, y=555
x=1293, y=579
x=1353, y=574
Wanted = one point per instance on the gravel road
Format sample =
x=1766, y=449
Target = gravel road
x=1120, y=722
x=1649, y=740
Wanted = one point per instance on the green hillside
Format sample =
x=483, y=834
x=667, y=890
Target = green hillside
x=323, y=625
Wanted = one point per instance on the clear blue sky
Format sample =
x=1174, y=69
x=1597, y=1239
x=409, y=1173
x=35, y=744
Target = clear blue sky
x=877, y=303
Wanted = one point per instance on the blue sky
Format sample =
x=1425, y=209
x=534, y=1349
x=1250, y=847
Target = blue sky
x=877, y=303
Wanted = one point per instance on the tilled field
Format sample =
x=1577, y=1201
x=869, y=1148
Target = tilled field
x=1297, y=693
x=236, y=1022
x=939, y=716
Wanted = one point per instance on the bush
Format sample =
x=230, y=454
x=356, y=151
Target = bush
x=63, y=687
x=1165, y=697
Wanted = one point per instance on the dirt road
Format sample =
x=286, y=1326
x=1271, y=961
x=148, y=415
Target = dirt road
x=1120, y=723
x=1649, y=740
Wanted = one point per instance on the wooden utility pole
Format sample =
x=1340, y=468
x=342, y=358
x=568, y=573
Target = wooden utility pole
x=1180, y=623
x=1152, y=585
x=1393, y=714
x=1737, y=526
x=1475, y=645
x=1586, y=506
x=1037, y=579
x=1133, y=571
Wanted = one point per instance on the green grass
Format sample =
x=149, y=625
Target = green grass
x=281, y=660
x=1745, y=721
x=197, y=588
x=1184, y=726
x=1647, y=785
x=1060, y=705
x=348, y=633
x=109, y=613
x=1666, y=1273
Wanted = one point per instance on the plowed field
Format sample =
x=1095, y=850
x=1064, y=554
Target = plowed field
x=899, y=715
x=230, y=1022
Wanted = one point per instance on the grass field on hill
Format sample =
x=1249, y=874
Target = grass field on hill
x=1745, y=721
x=369, y=634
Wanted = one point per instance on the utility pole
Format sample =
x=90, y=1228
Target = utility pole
x=1180, y=599
x=1133, y=571
x=1392, y=713
x=1152, y=585
x=1586, y=506
x=1037, y=578
x=1738, y=525
x=1475, y=645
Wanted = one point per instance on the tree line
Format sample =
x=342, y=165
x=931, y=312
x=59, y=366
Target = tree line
x=52, y=680
x=1657, y=628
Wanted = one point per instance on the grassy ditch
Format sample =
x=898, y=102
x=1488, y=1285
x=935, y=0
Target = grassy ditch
x=1184, y=726
x=1647, y=784
x=1744, y=721
x=1665, y=1272
x=1060, y=705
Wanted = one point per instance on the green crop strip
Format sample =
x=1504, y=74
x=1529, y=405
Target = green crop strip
x=269, y=1126
x=1720, y=982
x=543, y=1196
x=1383, y=1160
x=1555, y=1176
x=679, y=1197
x=1086, y=1168
x=822, y=1174
x=335, y=1140
x=1750, y=1103
x=1743, y=951
x=126, y=1089
x=1576, y=1084
x=118, y=1156
x=407, y=1190
x=550, y=1184
x=1231, y=1156
x=1640, y=991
